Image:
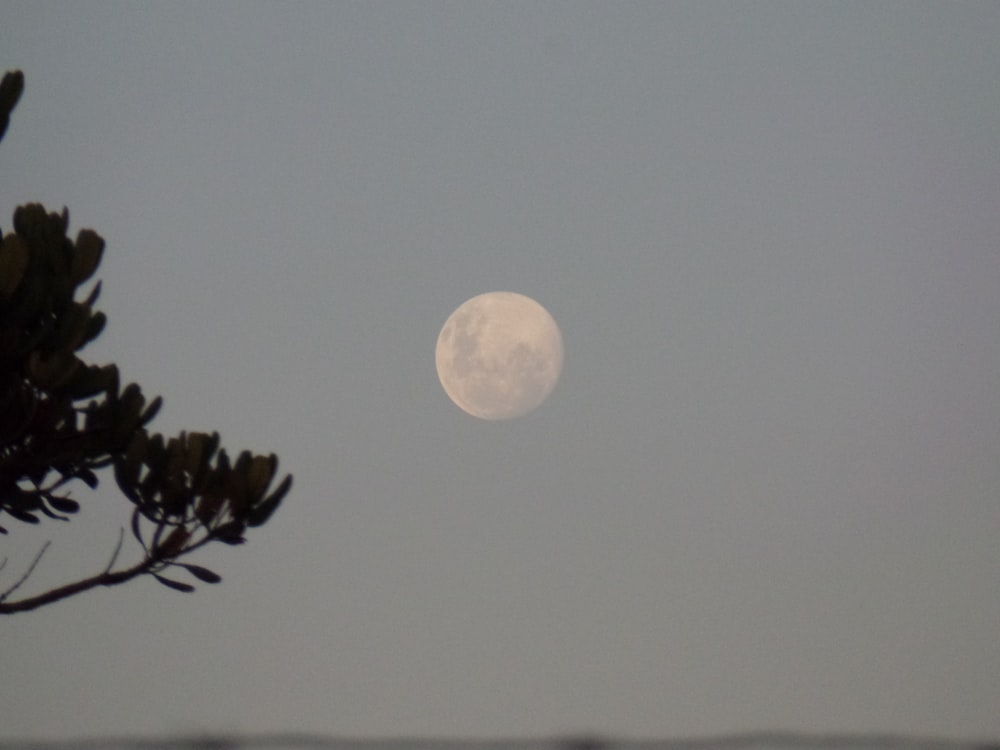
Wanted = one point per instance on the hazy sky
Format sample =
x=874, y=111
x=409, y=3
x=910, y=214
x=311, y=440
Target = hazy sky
x=766, y=492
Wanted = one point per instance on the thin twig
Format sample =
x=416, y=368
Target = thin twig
x=114, y=556
x=27, y=573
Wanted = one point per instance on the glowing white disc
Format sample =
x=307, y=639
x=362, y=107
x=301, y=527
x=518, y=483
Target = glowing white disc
x=499, y=355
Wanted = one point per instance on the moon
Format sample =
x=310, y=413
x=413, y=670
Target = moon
x=499, y=355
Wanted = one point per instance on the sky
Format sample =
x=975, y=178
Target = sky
x=765, y=493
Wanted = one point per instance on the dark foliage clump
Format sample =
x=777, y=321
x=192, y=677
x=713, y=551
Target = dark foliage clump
x=62, y=419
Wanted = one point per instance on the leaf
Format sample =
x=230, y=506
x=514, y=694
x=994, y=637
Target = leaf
x=130, y=401
x=151, y=411
x=52, y=371
x=187, y=588
x=21, y=515
x=87, y=477
x=11, y=87
x=128, y=466
x=64, y=504
x=236, y=484
x=202, y=574
x=258, y=516
x=50, y=514
x=30, y=219
x=260, y=472
x=13, y=263
x=87, y=255
x=208, y=505
x=89, y=381
x=94, y=327
x=127, y=481
x=193, y=448
x=155, y=458
x=113, y=382
x=229, y=533
x=94, y=294
x=136, y=532
x=73, y=326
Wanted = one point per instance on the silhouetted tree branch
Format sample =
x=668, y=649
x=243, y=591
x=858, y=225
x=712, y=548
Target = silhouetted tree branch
x=63, y=420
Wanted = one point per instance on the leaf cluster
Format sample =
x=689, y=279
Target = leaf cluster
x=62, y=419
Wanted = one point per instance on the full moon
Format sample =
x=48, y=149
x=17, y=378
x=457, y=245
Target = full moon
x=499, y=355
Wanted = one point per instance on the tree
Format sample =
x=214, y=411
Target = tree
x=63, y=420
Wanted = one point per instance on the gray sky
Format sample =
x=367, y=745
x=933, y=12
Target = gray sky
x=765, y=492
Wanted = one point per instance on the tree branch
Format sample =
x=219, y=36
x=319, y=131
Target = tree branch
x=104, y=579
x=154, y=561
